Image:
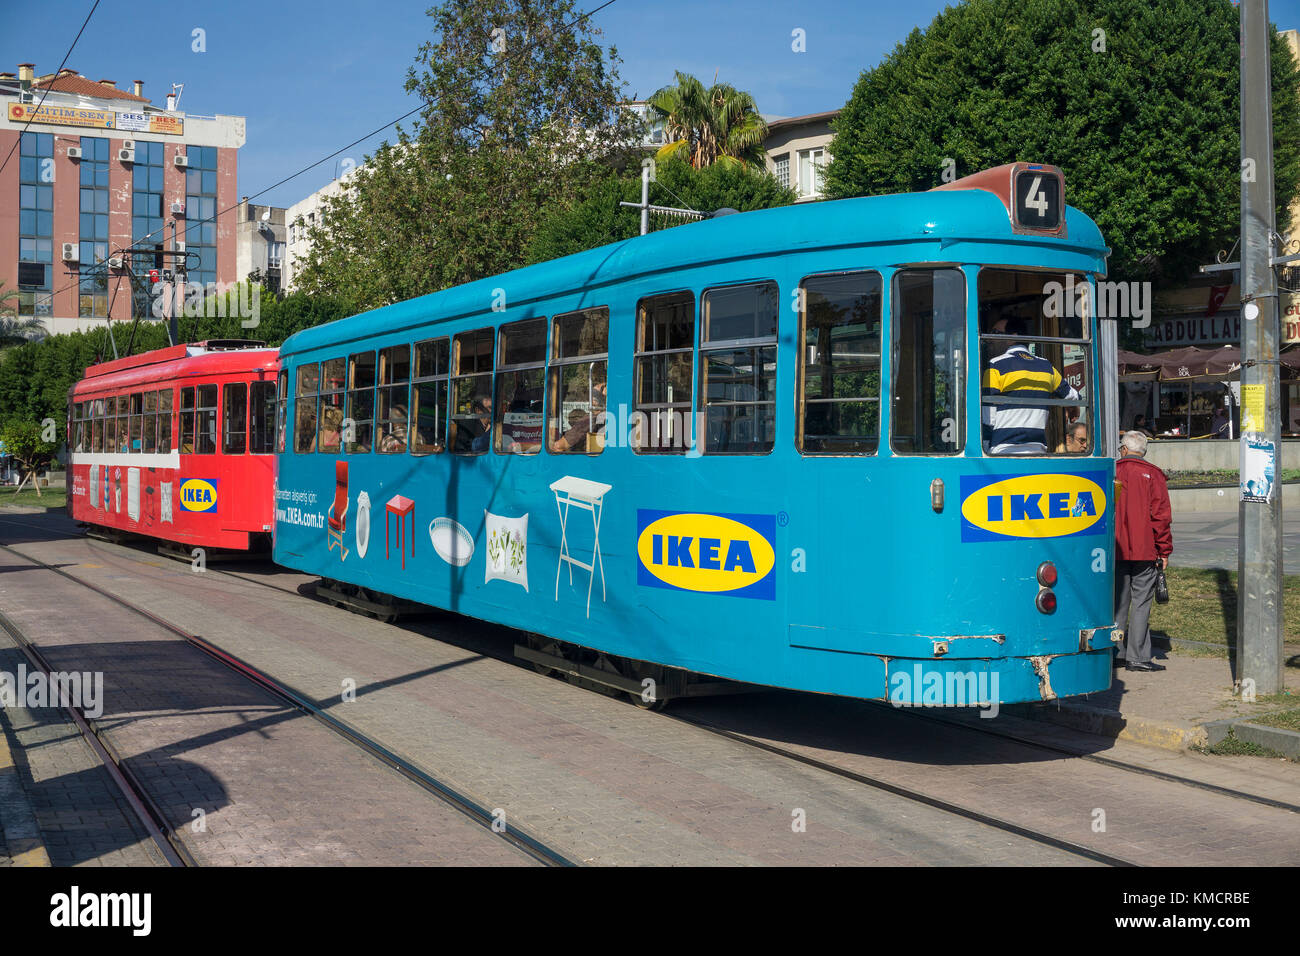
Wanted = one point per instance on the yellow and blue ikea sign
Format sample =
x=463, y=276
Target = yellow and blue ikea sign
x=1019, y=507
x=731, y=554
x=199, y=494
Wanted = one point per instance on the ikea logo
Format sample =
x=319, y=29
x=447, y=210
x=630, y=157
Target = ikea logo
x=730, y=554
x=1010, y=507
x=198, y=494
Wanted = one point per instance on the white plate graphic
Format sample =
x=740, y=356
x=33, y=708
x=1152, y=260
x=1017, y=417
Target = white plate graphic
x=453, y=543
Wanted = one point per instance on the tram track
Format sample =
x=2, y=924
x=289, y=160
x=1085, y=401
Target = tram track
x=875, y=782
x=520, y=838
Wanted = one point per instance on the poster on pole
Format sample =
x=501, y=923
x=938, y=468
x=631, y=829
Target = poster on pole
x=1258, y=469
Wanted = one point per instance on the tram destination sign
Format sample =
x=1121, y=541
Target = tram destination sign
x=1038, y=199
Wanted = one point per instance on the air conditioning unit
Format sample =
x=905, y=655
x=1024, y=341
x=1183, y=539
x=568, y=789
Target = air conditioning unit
x=115, y=262
x=178, y=209
x=128, y=144
x=126, y=155
x=69, y=252
x=180, y=247
x=74, y=152
x=181, y=161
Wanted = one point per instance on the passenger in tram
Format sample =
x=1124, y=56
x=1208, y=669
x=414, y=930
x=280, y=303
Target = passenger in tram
x=1076, y=440
x=393, y=441
x=331, y=430
x=1018, y=373
x=472, y=434
x=589, y=425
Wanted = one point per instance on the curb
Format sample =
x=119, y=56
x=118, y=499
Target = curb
x=21, y=832
x=1284, y=741
x=1105, y=722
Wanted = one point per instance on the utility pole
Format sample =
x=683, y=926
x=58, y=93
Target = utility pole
x=1259, y=539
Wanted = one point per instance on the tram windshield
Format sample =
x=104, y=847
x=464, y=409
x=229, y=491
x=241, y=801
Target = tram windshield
x=1035, y=363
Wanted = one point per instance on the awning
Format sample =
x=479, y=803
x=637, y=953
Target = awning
x=1192, y=364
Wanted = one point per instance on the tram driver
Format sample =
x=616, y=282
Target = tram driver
x=1019, y=429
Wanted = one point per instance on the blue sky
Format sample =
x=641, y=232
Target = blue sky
x=313, y=76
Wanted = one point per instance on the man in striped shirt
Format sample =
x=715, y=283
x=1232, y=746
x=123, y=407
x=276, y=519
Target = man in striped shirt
x=1017, y=373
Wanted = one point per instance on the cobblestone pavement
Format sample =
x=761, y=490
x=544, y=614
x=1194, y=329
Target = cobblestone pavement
x=612, y=784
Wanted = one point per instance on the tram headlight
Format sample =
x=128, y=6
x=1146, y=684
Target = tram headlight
x=1046, y=601
x=1047, y=574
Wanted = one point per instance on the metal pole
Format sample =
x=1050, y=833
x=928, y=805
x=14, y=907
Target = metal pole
x=645, y=199
x=1259, y=540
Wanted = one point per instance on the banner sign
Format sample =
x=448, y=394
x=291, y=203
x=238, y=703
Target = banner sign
x=60, y=115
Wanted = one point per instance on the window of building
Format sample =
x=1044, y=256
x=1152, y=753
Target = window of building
x=929, y=319
x=187, y=421
x=781, y=170
x=579, y=360
x=839, y=365
x=207, y=420
x=201, y=212
x=147, y=217
x=738, y=368
x=1034, y=363
x=394, y=399
x=35, y=224
x=471, y=389
x=520, y=379
x=665, y=341
x=812, y=169
x=429, y=396
x=359, y=424
x=93, y=168
x=331, y=426
x=305, y=408
x=234, y=425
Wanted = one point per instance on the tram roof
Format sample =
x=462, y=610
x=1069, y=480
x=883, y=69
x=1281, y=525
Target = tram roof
x=176, y=361
x=937, y=218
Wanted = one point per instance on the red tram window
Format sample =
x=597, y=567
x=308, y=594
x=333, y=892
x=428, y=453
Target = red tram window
x=234, y=426
x=206, y=421
x=187, y=421
x=261, y=418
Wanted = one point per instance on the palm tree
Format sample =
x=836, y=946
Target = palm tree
x=718, y=124
x=13, y=330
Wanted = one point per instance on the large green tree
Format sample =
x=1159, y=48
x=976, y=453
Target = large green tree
x=596, y=218
x=707, y=125
x=1136, y=100
x=521, y=112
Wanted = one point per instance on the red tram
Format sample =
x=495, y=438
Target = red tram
x=177, y=444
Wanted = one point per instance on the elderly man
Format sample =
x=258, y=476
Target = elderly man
x=1143, y=543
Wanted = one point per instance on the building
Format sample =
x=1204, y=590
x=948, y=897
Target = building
x=299, y=220
x=260, y=235
x=101, y=183
x=798, y=151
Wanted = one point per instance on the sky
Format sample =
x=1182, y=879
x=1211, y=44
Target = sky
x=311, y=76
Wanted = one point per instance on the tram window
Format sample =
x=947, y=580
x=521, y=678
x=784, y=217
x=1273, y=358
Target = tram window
x=471, y=389
x=518, y=419
x=665, y=341
x=579, y=360
x=1034, y=330
x=429, y=396
x=165, y=420
x=234, y=424
x=281, y=404
x=394, y=425
x=929, y=312
x=738, y=368
x=261, y=418
x=207, y=420
x=122, y=440
x=329, y=434
x=361, y=403
x=97, y=425
x=304, y=431
x=149, y=425
x=137, y=415
x=839, y=365
x=187, y=421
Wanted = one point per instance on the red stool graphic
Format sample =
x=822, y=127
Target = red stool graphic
x=397, y=505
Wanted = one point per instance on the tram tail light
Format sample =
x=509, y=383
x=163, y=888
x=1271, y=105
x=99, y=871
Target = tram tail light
x=1046, y=601
x=1047, y=574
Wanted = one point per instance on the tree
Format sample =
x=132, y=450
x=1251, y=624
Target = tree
x=15, y=330
x=1135, y=100
x=719, y=124
x=521, y=108
x=596, y=218
x=23, y=440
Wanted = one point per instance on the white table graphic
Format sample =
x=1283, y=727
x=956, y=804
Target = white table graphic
x=589, y=496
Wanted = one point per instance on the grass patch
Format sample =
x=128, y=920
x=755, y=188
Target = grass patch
x=50, y=497
x=1203, y=605
x=1218, y=476
x=1231, y=746
x=1287, y=720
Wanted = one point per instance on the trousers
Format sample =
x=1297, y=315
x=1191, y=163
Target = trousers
x=1135, y=587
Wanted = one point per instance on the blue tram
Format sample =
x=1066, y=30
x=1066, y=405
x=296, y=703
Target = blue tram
x=760, y=447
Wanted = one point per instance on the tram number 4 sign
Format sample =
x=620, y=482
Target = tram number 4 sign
x=1038, y=200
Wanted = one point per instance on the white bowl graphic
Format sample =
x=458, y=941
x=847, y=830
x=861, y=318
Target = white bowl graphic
x=453, y=543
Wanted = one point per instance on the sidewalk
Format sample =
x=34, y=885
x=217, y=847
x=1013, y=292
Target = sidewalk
x=1189, y=704
x=20, y=837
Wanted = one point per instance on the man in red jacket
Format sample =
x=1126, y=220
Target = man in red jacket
x=1142, y=544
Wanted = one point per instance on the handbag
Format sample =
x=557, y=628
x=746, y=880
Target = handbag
x=1162, y=587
